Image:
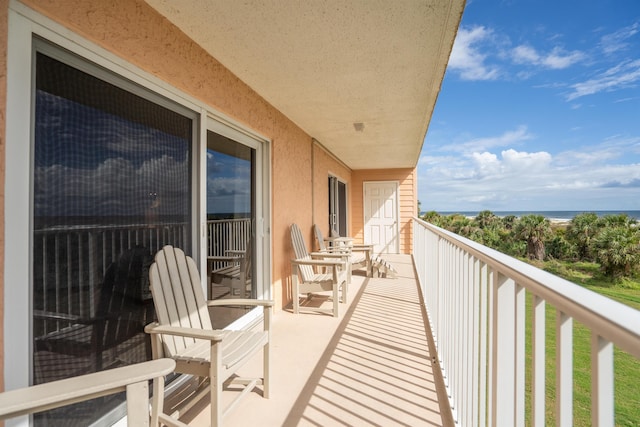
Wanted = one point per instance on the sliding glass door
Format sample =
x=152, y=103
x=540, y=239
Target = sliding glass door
x=231, y=218
x=111, y=183
x=337, y=206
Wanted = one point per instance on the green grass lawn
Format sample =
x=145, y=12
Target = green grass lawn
x=626, y=367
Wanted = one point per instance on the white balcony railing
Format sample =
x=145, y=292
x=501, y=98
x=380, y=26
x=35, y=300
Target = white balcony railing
x=475, y=299
x=227, y=234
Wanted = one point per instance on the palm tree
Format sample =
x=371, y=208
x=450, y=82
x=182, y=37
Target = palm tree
x=534, y=229
x=486, y=219
x=582, y=228
x=618, y=250
x=509, y=221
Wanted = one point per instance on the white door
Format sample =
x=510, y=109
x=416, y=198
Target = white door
x=381, y=216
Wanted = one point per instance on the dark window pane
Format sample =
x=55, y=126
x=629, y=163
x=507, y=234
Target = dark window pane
x=111, y=186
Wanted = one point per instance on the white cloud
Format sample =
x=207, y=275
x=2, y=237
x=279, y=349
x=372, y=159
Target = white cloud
x=556, y=59
x=592, y=177
x=467, y=58
x=619, y=77
x=510, y=137
x=523, y=161
x=616, y=41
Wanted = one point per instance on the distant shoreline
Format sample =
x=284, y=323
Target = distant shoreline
x=555, y=217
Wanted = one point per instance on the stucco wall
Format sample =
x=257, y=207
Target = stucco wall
x=407, y=201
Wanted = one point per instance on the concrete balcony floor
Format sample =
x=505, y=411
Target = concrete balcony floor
x=370, y=366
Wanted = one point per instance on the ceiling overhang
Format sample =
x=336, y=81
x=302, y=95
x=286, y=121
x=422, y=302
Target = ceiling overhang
x=361, y=77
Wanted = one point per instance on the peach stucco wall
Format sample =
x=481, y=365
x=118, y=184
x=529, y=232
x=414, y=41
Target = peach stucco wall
x=407, y=202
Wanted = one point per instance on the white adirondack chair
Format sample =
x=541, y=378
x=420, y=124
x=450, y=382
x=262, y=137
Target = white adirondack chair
x=306, y=280
x=232, y=271
x=184, y=333
x=133, y=379
x=360, y=255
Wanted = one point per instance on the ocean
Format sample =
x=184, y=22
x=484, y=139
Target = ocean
x=559, y=215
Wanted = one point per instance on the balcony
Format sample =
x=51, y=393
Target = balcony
x=483, y=311
x=375, y=365
x=370, y=366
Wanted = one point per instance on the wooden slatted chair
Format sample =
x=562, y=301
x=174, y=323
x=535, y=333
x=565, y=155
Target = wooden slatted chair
x=232, y=271
x=184, y=332
x=120, y=315
x=360, y=254
x=132, y=379
x=306, y=280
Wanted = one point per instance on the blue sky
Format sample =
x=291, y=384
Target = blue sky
x=539, y=110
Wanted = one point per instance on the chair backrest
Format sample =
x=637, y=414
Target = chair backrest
x=300, y=251
x=319, y=238
x=121, y=295
x=178, y=296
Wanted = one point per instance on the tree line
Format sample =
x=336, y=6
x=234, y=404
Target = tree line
x=612, y=241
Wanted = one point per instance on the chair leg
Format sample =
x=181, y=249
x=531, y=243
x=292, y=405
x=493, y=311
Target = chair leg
x=157, y=406
x=295, y=291
x=266, y=352
x=336, y=300
x=215, y=385
x=266, y=366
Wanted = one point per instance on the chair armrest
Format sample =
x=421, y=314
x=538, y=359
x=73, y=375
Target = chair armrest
x=319, y=262
x=235, y=252
x=58, y=316
x=77, y=389
x=362, y=248
x=224, y=258
x=204, y=334
x=51, y=315
x=336, y=255
x=240, y=301
x=332, y=251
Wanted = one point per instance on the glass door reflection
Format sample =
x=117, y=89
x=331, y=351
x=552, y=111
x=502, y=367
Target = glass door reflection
x=230, y=220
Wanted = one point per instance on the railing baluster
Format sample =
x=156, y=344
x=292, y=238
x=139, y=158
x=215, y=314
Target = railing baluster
x=504, y=350
x=520, y=356
x=538, y=336
x=69, y=274
x=93, y=272
x=483, y=339
x=564, y=369
x=56, y=245
x=602, y=391
x=490, y=353
x=467, y=293
x=80, y=274
x=474, y=355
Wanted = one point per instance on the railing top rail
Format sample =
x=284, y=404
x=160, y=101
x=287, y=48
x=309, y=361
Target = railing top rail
x=97, y=227
x=212, y=221
x=610, y=319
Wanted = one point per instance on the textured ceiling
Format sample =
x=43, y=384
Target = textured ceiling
x=329, y=64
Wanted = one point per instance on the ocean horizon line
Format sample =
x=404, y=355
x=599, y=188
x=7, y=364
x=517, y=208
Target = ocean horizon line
x=550, y=214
